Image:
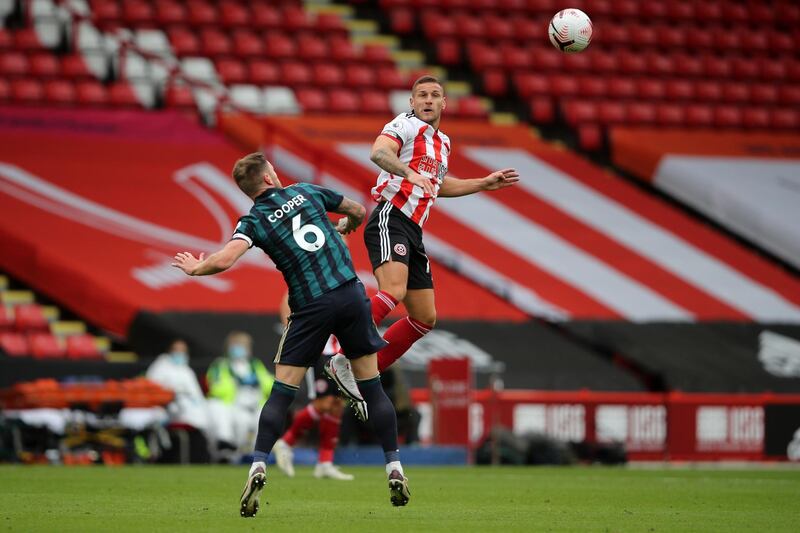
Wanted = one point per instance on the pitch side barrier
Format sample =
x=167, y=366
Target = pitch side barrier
x=673, y=426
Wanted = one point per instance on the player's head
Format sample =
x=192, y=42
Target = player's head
x=254, y=174
x=427, y=100
x=238, y=345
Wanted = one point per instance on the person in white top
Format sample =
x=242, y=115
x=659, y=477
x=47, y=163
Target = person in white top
x=413, y=155
x=171, y=370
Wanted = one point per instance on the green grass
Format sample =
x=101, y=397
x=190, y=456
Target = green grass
x=443, y=499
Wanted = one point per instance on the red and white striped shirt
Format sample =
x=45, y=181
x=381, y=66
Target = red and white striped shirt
x=426, y=151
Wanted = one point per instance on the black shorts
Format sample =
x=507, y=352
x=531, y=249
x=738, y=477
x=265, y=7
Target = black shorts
x=345, y=312
x=391, y=235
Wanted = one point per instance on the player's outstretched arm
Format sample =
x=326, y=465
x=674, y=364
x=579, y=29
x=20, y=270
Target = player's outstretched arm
x=214, y=263
x=452, y=187
x=384, y=154
x=354, y=215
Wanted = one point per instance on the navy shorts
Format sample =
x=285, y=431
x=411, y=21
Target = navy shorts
x=345, y=312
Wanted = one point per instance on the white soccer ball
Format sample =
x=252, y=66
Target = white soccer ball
x=570, y=30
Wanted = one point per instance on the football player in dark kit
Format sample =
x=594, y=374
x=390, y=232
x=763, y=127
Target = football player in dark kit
x=291, y=225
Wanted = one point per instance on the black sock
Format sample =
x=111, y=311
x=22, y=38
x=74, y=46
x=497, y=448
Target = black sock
x=381, y=414
x=273, y=418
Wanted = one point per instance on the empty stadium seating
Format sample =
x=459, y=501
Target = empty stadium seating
x=31, y=329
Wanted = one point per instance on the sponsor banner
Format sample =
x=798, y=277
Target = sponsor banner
x=450, y=385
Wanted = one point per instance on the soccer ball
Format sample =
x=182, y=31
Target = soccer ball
x=570, y=30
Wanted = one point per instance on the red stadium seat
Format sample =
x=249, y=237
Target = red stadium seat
x=764, y=93
x=728, y=39
x=27, y=91
x=5, y=90
x=296, y=73
x=247, y=44
x=312, y=100
x=30, y=317
x=772, y=69
x=780, y=42
x=708, y=91
x=761, y=13
x=342, y=49
x=296, y=19
x=14, y=344
x=74, y=67
x=632, y=63
x=708, y=11
x=6, y=40
x=13, y=64
x=261, y=72
x=359, y=76
x=330, y=23
x=577, y=62
x=604, y=62
x=525, y=29
x=470, y=107
x=736, y=13
x=343, y=101
x=653, y=10
x=643, y=36
x=670, y=115
x=391, y=78
x=279, y=46
x=613, y=34
x=716, y=67
x=542, y=59
x=590, y=137
x=179, y=97
x=45, y=65
x=484, y=57
x=745, y=68
x=448, y=52
x=469, y=27
x=495, y=83
x=401, y=21
x=497, y=27
x=27, y=40
x=593, y=86
x=214, y=42
x=121, y=94
x=82, y=347
x=754, y=41
x=650, y=89
x=641, y=113
x=679, y=90
x=201, y=13
x=92, y=93
x=6, y=318
x=328, y=75
x=312, y=48
x=622, y=87
x=699, y=39
x=660, y=65
x=377, y=54
x=45, y=346
x=680, y=11
x=671, y=37
x=541, y=110
x=233, y=14
x=699, y=115
x=436, y=26
x=784, y=118
x=375, y=102
x=688, y=65
x=529, y=84
x=231, y=71
x=625, y=8
x=60, y=92
x=735, y=93
x=612, y=112
x=727, y=116
x=563, y=85
x=169, y=12
x=578, y=112
x=137, y=12
x=106, y=12
x=755, y=117
x=789, y=95
x=266, y=16
x=184, y=42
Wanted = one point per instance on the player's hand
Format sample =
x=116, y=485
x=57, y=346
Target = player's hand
x=187, y=262
x=500, y=179
x=344, y=226
x=421, y=181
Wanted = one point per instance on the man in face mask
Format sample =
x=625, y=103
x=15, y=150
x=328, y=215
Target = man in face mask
x=238, y=386
x=171, y=370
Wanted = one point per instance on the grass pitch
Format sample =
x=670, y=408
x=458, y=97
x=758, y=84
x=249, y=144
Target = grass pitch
x=443, y=499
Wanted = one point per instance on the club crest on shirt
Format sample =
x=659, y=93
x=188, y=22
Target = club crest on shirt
x=400, y=249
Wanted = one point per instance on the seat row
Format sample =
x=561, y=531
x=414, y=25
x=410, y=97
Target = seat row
x=48, y=393
x=45, y=345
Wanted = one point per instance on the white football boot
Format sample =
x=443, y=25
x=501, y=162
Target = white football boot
x=248, y=503
x=284, y=457
x=330, y=470
x=338, y=369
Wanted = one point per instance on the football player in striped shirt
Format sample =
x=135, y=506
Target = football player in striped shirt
x=326, y=297
x=412, y=153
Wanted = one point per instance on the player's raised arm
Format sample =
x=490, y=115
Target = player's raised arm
x=452, y=187
x=214, y=263
x=355, y=213
x=384, y=154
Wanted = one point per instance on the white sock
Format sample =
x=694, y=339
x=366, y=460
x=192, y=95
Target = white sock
x=394, y=465
x=255, y=465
